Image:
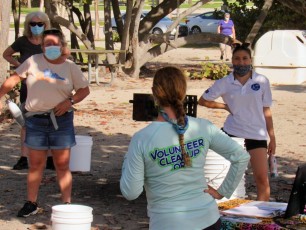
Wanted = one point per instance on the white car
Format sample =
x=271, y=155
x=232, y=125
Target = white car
x=206, y=22
x=160, y=28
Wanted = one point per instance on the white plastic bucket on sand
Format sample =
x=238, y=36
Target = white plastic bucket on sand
x=80, y=157
x=71, y=217
x=217, y=167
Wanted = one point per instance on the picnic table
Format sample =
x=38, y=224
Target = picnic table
x=93, y=67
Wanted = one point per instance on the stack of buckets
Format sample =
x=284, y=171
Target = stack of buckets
x=71, y=217
x=80, y=157
x=216, y=168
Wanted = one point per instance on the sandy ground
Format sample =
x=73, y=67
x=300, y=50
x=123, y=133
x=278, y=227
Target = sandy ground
x=106, y=115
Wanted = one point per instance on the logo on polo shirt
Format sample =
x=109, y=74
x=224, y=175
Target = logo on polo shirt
x=255, y=87
x=207, y=91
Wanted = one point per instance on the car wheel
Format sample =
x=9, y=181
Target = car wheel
x=157, y=31
x=195, y=30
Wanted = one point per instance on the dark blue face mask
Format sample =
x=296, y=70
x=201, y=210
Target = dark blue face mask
x=242, y=70
x=178, y=128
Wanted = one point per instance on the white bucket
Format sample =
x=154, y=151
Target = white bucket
x=71, y=217
x=217, y=167
x=80, y=157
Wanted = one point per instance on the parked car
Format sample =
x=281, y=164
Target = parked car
x=206, y=22
x=160, y=28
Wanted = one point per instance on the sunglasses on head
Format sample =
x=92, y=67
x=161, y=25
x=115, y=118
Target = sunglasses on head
x=40, y=24
x=238, y=45
x=52, y=31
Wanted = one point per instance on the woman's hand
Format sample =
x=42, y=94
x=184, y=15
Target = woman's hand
x=62, y=108
x=272, y=146
x=213, y=192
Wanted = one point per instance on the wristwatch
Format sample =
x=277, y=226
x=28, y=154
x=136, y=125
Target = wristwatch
x=71, y=100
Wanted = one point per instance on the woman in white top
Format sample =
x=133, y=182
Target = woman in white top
x=247, y=97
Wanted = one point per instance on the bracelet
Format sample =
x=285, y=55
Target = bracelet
x=71, y=100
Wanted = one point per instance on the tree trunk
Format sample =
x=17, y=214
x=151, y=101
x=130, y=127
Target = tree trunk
x=109, y=44
x=261, y=18
x=29, y=4
x=141, y=42
x=41, y=5
x=125, y=34
x=135, y=39
x=52, y=13
x=5, y=7
x=73, y=38
x=97, y=25
x=88, y=23
x=16, y=16
x=118, y=17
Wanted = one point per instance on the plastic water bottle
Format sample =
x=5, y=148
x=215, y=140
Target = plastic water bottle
x=273, y=166
x=16, y=112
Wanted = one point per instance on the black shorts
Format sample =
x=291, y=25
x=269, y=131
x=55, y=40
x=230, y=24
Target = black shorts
x=250, y=143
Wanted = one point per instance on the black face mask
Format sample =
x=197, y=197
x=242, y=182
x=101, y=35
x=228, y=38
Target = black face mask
x=242, y=70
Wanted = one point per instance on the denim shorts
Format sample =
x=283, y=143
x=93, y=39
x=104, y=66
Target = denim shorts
x=41, y=135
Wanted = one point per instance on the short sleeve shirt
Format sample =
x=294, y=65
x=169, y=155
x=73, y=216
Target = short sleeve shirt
x=226, y=27
x=49, y=84
x=25, y=48
x=246, y=104
x=154, y=161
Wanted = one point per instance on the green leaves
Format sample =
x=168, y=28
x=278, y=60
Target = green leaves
x=214, y=71
x=209, y=70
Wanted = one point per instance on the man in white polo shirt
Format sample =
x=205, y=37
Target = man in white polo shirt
x=247, y=97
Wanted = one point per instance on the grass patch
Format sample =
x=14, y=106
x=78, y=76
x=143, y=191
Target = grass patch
x=25, y=10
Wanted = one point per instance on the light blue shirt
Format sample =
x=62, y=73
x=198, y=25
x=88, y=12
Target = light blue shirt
x=175, y=194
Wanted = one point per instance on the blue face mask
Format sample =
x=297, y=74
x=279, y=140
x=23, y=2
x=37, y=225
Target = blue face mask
x=242, y=70
x=36, y=30
x=53, y=52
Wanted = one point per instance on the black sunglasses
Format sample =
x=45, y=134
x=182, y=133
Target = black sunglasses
x=40, y=24
x=52, y=31
x=238, y=45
